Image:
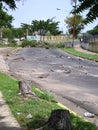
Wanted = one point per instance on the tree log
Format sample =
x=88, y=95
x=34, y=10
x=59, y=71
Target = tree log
x=60, y=120
x=25, y=89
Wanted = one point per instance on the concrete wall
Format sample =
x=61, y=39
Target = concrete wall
x=47, y=38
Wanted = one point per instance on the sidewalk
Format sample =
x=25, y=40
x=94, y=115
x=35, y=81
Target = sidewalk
x=7, y=121
x=80, y=49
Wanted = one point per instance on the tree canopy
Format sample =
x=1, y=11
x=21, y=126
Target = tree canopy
x=5, y=19
x=10, y=3
x=91, y=6
x=79, y=24
x=42, y=27
x=94, y=31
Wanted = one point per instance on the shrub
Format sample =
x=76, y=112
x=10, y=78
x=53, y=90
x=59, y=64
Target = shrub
x=27, y=43
x=12, y=43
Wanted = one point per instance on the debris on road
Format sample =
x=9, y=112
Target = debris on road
x=89, y=115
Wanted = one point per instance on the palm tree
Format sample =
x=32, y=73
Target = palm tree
x=74, y=22
x=42, y=27
x=79, y=24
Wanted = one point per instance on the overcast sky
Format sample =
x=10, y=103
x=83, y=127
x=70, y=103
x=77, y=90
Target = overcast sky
x=42, y=10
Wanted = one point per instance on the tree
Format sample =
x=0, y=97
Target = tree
x=94, y=31
x=54, y=29
x=39, y=26
x=17, y=32
x=43, y=27
x=92, y=6
x=5, y=21
x=26, y=29
x=7, y=33
x=79, y=24
x=10, y=3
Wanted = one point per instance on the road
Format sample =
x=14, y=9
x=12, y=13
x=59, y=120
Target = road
x=70, y=77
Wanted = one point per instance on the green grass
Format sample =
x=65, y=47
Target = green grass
x=40, y=108
x=81, y=54
x=2, y=46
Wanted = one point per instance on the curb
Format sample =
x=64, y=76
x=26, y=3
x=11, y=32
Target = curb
x=65, y=107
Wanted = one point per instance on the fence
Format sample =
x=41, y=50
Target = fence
x=90, y=42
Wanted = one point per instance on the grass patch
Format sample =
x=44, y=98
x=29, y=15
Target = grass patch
x=81, y=54
x=40, y=108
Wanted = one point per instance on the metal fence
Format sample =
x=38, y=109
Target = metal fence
x=90, y=39
x=90, y=42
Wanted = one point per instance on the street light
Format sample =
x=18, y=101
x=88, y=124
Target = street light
x=58, y=9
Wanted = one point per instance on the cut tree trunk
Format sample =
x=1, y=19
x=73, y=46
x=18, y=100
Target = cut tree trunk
x=25, y=89
x=60, y=120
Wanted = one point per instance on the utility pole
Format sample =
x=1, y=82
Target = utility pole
x=74, y=22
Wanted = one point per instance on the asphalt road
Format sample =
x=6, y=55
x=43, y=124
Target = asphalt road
x=70, y=77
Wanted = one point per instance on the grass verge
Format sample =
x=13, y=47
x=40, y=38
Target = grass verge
x=81, y=54
x=40, y=108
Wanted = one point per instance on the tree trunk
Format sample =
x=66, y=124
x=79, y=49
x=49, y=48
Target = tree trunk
x=25, y=89
x=60, y=120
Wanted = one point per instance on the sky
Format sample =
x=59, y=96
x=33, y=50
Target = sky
x=42, y=10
